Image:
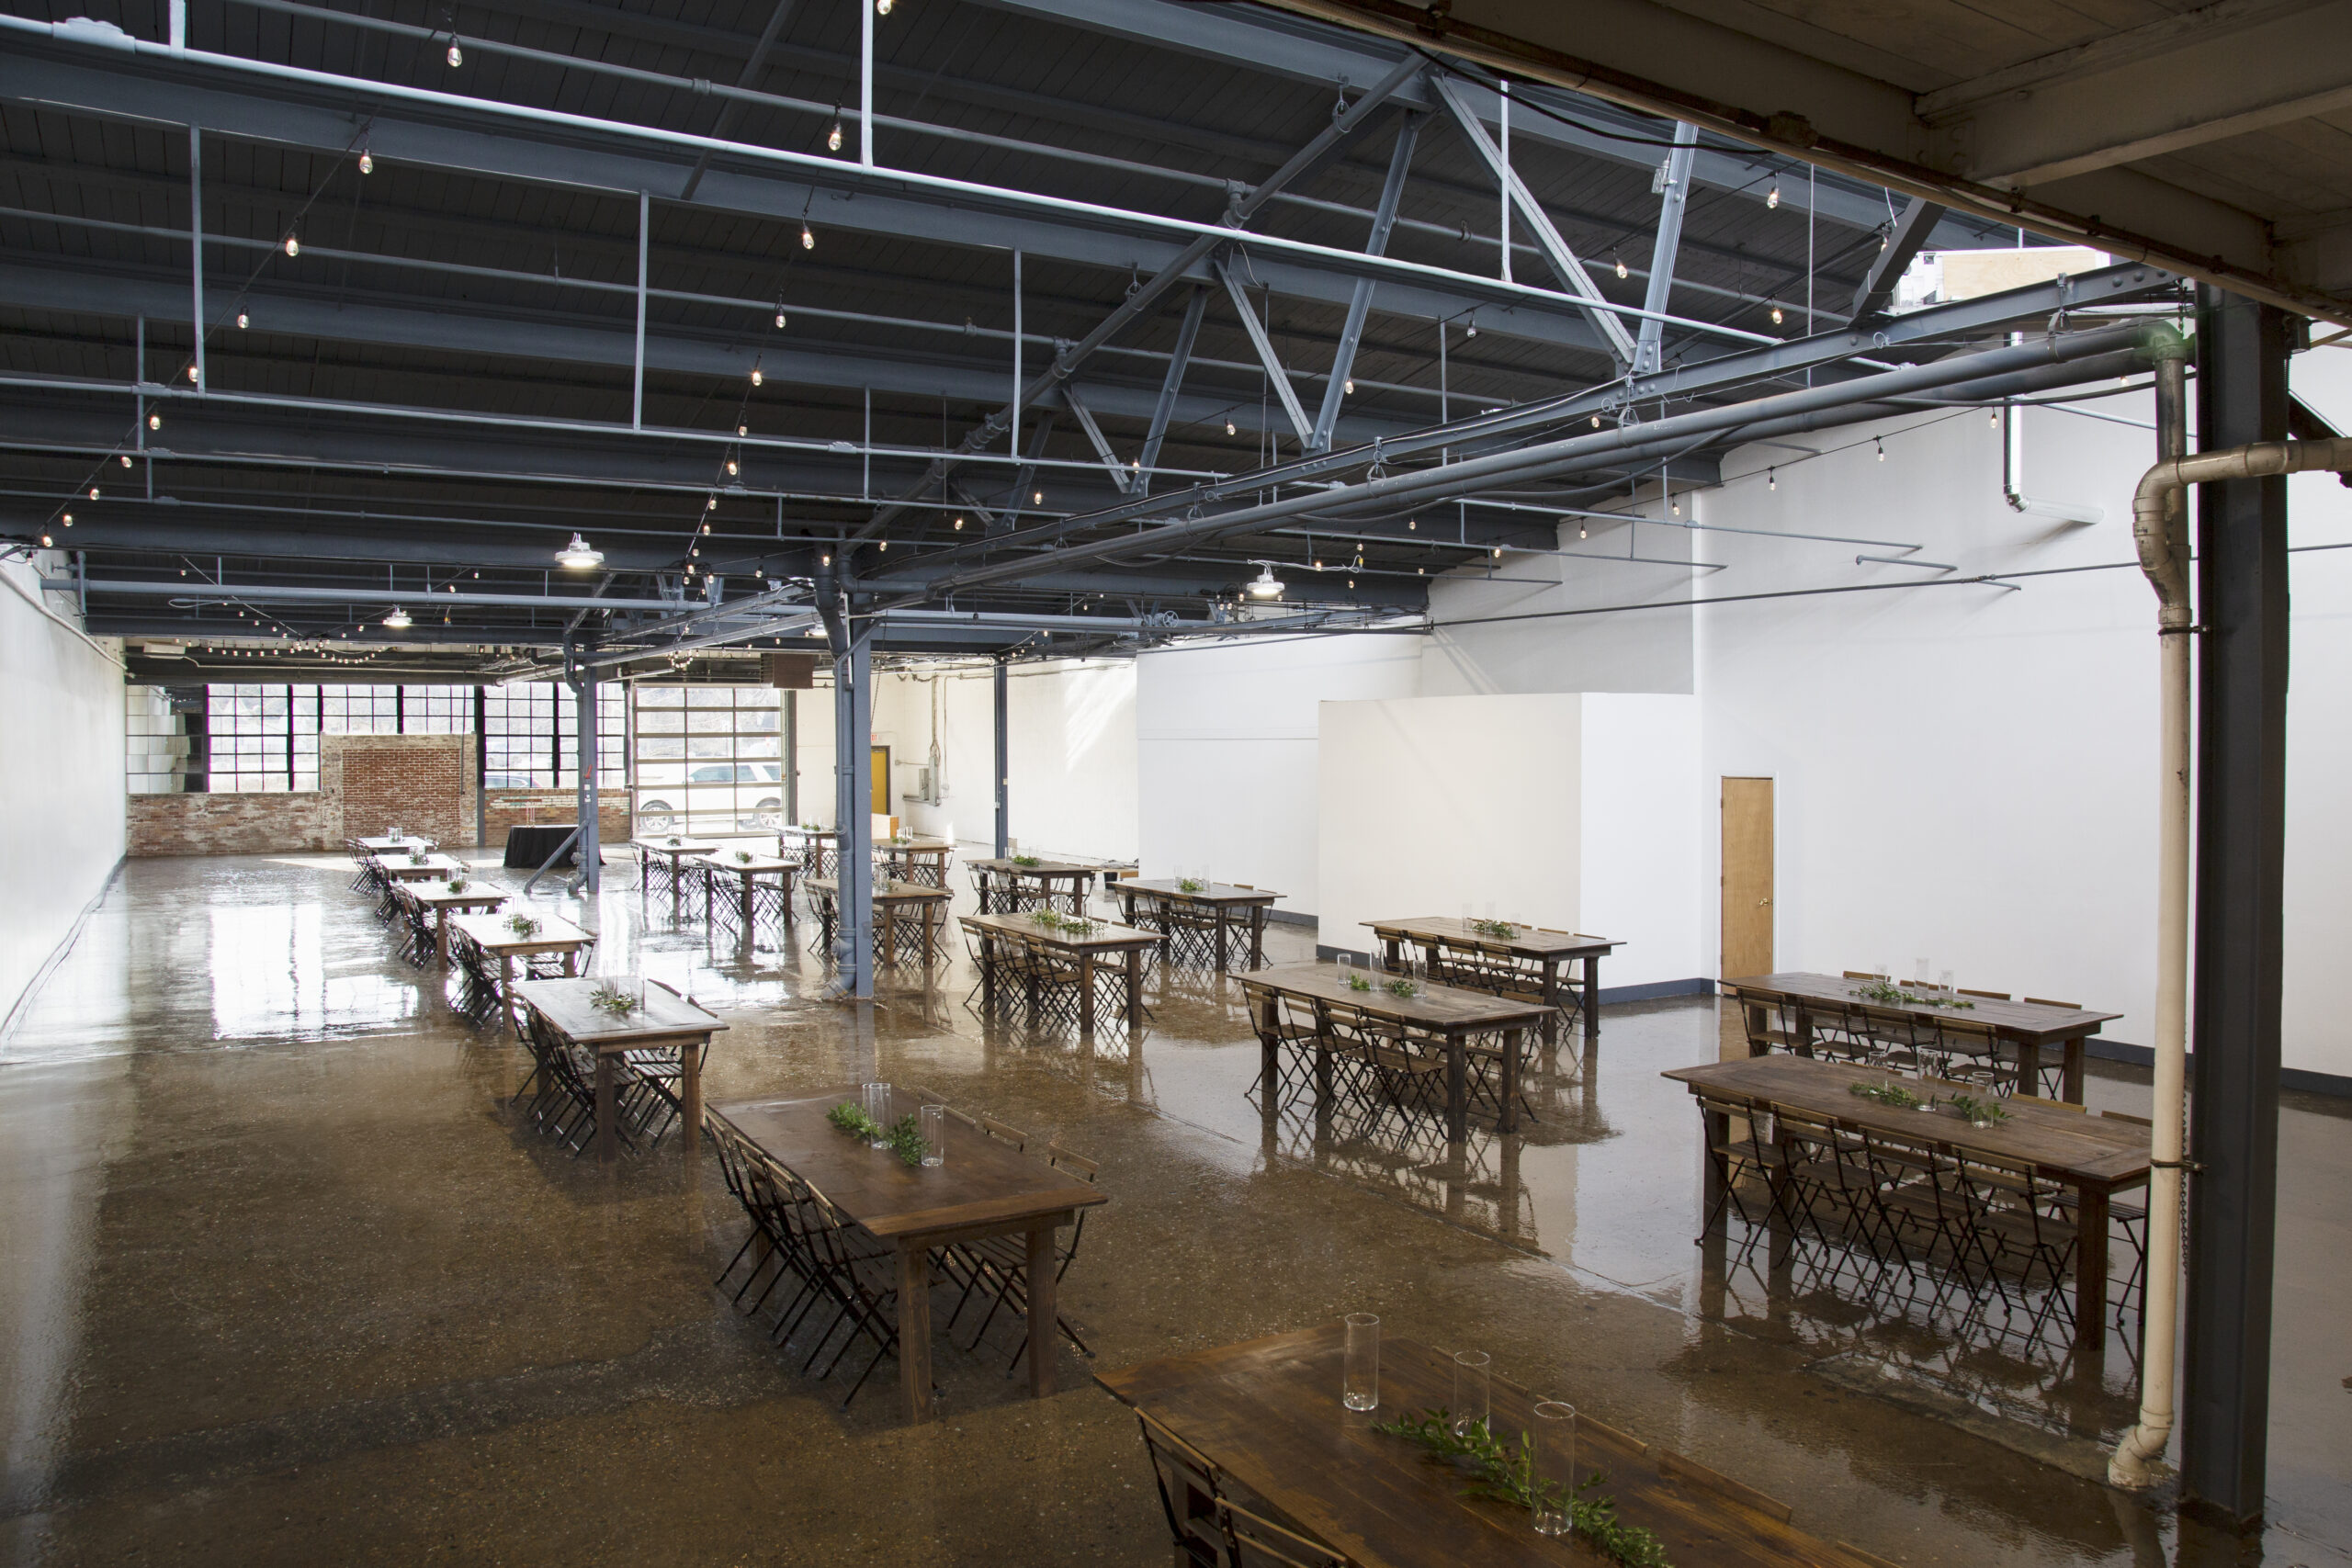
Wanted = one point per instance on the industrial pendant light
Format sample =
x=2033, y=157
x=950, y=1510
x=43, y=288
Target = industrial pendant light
x=579, y=555
x=398, y=620
x=1265, y=585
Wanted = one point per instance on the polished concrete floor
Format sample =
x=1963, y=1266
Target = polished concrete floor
x=284, y=1284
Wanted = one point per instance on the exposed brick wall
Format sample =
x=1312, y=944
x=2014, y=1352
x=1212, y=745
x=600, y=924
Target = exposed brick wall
x=425, y=782
x=522, y=807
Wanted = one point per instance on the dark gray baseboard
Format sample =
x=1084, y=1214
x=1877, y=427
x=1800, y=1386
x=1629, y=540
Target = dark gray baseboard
x=1699, y=986
x=2336, y=1085
x=1289, y=917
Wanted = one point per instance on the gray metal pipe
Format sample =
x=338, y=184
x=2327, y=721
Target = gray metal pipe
x=209, y=593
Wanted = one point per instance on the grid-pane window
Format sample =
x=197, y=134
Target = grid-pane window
x=359, y=710
x=531, y=732
x=248, y=739
x=709, y=759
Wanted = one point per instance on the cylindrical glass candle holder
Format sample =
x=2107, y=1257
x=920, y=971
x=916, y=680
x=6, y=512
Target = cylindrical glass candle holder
x=1360, y=1382
x=935, y=1135
x=1553, y=1465
x=1468, y=1410
x=877, y=1110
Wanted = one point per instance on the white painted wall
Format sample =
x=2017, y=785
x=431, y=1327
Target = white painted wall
x=1642, y=819
x=1226, y=746
x=1432, y=804
x=60, y=776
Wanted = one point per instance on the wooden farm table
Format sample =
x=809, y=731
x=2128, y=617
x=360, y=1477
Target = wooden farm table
x=890, y=900
x=494, y=938
x=1007, y=887
x=2097, y=1155
x=1267, y=1412
x=2030, y=1028
x=1446, y=1012
x=675, y=851
x=437, y=896
x=1085, y=950
x=1221, y=900
x=399, y=868
x=388, y=845
x=983, y=1188
x=663, y=1019
x=1551, y=950
x=916, y=860
x=747, y=872
x=818, y=849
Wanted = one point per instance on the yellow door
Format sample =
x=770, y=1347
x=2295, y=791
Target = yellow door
x=1748, y=878
x=881, y=761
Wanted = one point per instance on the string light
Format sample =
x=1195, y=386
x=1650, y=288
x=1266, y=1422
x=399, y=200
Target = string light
x=1499, y=552
x=94, y=493
x=1772, y=197
x=366, y=162
x=154, y=422
x=779, y=318
x=756, y=377
x=834, y=137
x=1677, y=509
x=1036, y=498
x=710, y=503
x=732, y=466
x=1349, y=385
x=293, y=248
x=126, y=459
x=1474, y=328
x=882, y=7
x=1772, y=478
x=457, y=55
x=1881, y=451
x=243, y=321
x=1621, y=266
x=1228, y=427
x=1595, y=422
x=959, y=524
x=808, y=238
x=68, y=520
x=1412, y=524
x=1776, y=315
x=194, y=374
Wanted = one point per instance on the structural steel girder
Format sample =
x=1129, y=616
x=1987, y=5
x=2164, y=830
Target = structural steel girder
x=1276, y=377
x=1178, y=359
x=1902, y=246
x=1650, y=342
x=1384, y=219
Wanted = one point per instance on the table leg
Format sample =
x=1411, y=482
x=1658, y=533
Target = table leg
x=507, y=990
x=749, y=919
x=1220, y=939
x=1043, y=1307
x=1551, y=1000
x=1086, y=993
x=1258, y=937
x=709, y=898
x=988, y=975
x=677, y=894
x=1135, y=991
x=890, y=935
x=1716, y=1131
x=2077, y=1048
x=2090, y=1273
x=915, y=1329
x=1514, y=1041
x=2030, y=1066
x=441, y=935
x=690, y=1091
x=572, y=962
x=644, y=872
x=929, y=911
x=1390, y=949
x=1457, y=1090
x=1270, y=1059
x=1592, y=998
x=608, y=1144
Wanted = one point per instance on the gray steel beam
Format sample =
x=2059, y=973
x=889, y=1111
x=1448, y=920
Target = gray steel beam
x=1649, y=345
x=2243, y=571
x=999, y=697
x=1276, y=377
x=1902, y=246
x=854, y=954
x=1556, y=253
x=1384, y=218
x=195, y=590
x=733, y=107
x=1085, y=418
x=1178, y=358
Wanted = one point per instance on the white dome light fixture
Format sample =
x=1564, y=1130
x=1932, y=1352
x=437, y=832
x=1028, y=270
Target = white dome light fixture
x=398, y=620
x=579, y=555
x=1265, y=585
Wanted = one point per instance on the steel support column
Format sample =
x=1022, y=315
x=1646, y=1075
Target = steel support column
x=1649, y=346
x=792, y=758
x=2241, y=847
x=852, y=804
x=997, y=686
x=582, y=678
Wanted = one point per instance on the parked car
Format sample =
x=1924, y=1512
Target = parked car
x=677, y=797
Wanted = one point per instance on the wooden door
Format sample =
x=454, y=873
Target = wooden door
x=880, y=761
x=1747, y=877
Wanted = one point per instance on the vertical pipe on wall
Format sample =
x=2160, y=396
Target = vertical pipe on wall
x=852, y=807
x=865, y=86
x=1505, y=149
x=482, y=768
x=1003, y=758
x=1015, y=428
x=2241, y=852
x=196, y=242
x=636, y=377
x=792, y=758
x=583, y=685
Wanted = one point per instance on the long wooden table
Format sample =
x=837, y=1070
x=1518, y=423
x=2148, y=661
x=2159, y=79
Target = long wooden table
x=2096, y=1155
x=494, y=938
x=674, y=851
x=915, y=860
x=388, y=845
x=1267, y=1412
x=1549, y=950
x=983, y=1188
x=478, y=895
x=2030, y=1028
x=818, y=849
x=663, y=1019
x=747, y=869
x=1085, y=950
x=1222, y=901
x=399, y=868
x=1446, y=1012
x=890, y=899
x=1006, y=886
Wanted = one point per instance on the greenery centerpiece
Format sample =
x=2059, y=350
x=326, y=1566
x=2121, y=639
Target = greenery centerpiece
x=1896, y=996
x=1401, y=986
x=902, y=1137
x=1027, y=859
x=673, y=841
x=1190, y=884
x=611, y=1000
x=523, y=926
x=1358, y=983
x=1053, y=920
x=457, y=885
x=742, y=857
x=1506, y=1473
x=417, y=857
x=1493, y=927
x=1980, y=1113
x=1892, y=1094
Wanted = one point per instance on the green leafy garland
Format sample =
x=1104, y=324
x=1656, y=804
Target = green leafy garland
x=1493, y=927
x=1053, y=921
x=742, y=857
x=1508, y=1475
x=609, y=998
x=1191, y=885
x=457, y=885
x=1975, y=1110
x=523, y=926
x=1358, y=983
x=1892, y=1094
x=902, y=1137
x=1896, y=996
x=1027, y=859
x=1402, y=988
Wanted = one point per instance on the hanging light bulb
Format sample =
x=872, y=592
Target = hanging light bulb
x=742, y=430
x=959, y=524
x=1412, y=524
x=154, y=422
x=882, y=7
x=293, y=248
x=126, y=459
x=1772, y=478
x=710, y=503
x=1228, y=427
x=457, y=55
x=1499, y=552
x=779, y=318
x=756, y=377
x=1621, y=266
x=1582, y=531
x=398, y=620
x=886, y=547
x=47, y=541
x=733, y=468
x=807, y=239
x=706, y=527
x=1776, y=315
x=1349, y=385
x=1881, y=451
x=1474, y=328
x=194, y=374
x=1595, y=422
x=1772, y=197
x=834, y=137
x=367, y=162
x=243, y=321
x=1265, y=585
x=1677, y=509
x=94, y=493
x=68, y=520
x=578, y=556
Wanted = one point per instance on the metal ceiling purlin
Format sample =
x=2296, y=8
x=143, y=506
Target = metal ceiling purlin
x=1343, y=363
